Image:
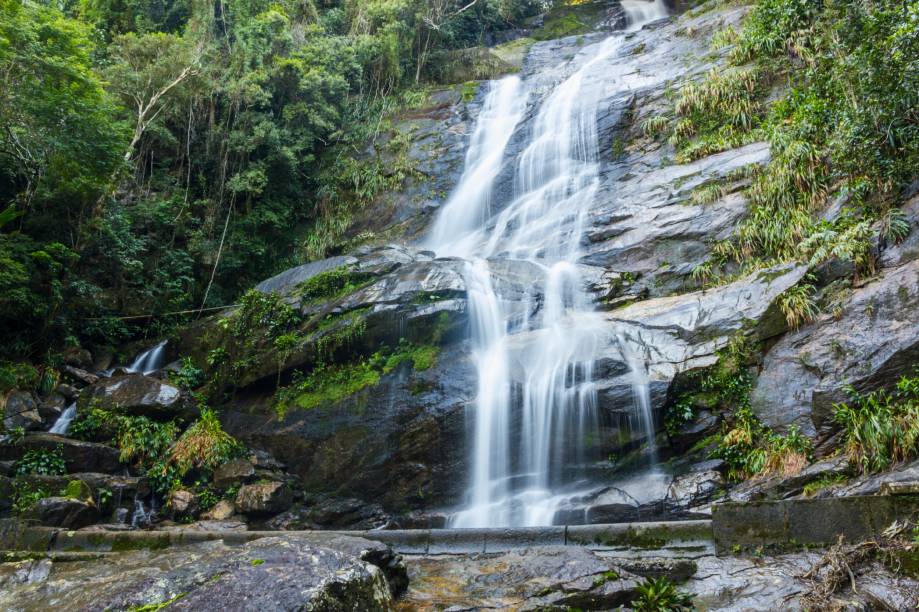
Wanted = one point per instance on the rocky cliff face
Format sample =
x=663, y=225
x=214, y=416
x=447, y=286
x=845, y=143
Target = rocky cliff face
x=400, y=443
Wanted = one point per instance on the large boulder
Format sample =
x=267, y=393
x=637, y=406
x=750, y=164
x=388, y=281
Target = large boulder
x=65, y=512
x=123, y=489
x=20, y=409
x=139, y=394
x=535, y=578
x=79, y=456
x=282, y=573
x=870, y=340
x=6, y=493
x=393, y=293
x=264, y=498
x=232, y=472
x=399, y=443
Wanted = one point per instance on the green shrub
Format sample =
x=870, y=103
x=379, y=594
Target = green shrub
x=843, y=127
x=881, y=428
x=750, y=449
x=25, y=495
x=188, y=376
x=798, y=305
x=332, y=284
x=41, y=461
x=203, y=446
x=17, y=376
x=661, y=595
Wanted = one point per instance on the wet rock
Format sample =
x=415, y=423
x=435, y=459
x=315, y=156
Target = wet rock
x=68, y=391
x=261, y=499
x=779, y=486
x=883, y=591
x=290, y=573
x=288, y=280
x=399, y=444
x=208, y=525
x=344, y=512
x=262, y=460
x=331, y=513
x=6, y=493
x=222, y=511
x=705, y=424
x=421, y=519
x=232, y=472
x=542, y=577
x=692, y=490
x=21, y=410
x=872, y=484
x=681, y=333
x=183, y=503
x=79, y=456
x=52, y=407
x=139, y=394
x=79, y=375
x=77, y=357
x=64, y=512
x=872, y=343
x=123, y=489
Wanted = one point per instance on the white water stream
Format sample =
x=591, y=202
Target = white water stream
x=149, y=361
x=538, y=370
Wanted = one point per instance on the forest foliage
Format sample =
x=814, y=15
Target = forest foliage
x=161, y=156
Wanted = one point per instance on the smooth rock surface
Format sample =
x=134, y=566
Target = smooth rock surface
x=20, y=409
x=870, y=346
x=79, y=456
x=264, y=498
x=140, y=395
x=63, y=512
x=269, y=574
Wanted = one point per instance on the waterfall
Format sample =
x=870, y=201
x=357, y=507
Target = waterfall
x=62, y=424
x=536, y=403
x=639, y=12
x=468, y=206
x=641, y=393
x=150, y=360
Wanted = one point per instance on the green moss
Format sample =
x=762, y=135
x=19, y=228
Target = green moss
x=515, y=51
x=157, y=606
x=570, y=18
x=333, y=284
x=349, y=329
x=422, y=357
x=605, y=577
x=468, y=90
x=822, y=483
x=77, y=489
x=257, y=562
x=126, y=542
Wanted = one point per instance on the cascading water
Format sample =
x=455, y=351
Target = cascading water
x=468, y=206
x=150, y=360
x=62, y=424
x=538, y=370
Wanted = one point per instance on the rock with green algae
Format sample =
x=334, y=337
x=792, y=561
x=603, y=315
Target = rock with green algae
x=289, y=573
x=65, y=512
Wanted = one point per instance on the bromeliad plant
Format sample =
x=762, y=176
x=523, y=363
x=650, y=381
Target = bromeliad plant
x=881, y=428
x=661, y=595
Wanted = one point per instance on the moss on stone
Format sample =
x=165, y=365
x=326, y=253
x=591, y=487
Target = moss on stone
x=422, y=357
x=468, y=90
x=333, y=284
x=569, y=18
x=328, y=385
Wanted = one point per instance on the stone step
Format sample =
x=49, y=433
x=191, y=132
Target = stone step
x=632, y=538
